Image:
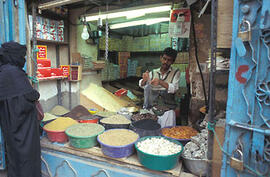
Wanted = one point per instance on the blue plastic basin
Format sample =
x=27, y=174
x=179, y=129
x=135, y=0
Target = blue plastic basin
x=117, y=151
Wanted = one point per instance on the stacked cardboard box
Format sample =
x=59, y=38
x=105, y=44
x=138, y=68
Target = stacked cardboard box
x=104, y=74
x=181, y=67
x=139, y=71
x=44, y=69
x=137, y=44
x=123, y=63
x=132, y=65
x=182, y=58
x=110, y=72
x=113, y=44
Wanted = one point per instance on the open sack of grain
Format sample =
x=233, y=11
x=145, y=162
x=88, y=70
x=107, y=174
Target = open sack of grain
x=97, y=97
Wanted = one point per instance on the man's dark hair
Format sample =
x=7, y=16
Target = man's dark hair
x=170, y=52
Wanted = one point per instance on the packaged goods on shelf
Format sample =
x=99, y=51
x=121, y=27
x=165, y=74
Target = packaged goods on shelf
x=48, y=29
x=132, y=65
x=66, y=70
x=43, y=63
x=56, y=72
x=139, y=71
x=75, y=73
x=43, y=72
x=181, y=67
x=100, y=64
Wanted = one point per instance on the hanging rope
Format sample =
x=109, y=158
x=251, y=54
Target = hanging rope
x=106, y=34
x=34, y=78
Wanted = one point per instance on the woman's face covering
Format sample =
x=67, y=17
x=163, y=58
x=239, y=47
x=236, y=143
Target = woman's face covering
x=13, y=53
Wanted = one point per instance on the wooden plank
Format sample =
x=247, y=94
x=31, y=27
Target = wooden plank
x=224, y=23
x=217, y=154
x=125, y=98
x=52, y=78
x=132, y=160
x=110, y=88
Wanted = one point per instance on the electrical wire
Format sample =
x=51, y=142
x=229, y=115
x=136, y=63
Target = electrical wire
x=197, y=59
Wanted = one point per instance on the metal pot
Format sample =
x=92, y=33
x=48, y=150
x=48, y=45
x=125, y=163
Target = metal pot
x=195, y=166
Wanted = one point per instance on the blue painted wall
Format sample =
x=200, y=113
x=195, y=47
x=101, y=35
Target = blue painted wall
x=8, y=12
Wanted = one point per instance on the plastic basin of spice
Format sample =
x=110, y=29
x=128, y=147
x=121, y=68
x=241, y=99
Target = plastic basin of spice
x=158, y=162
x=108, y=126
x=117, y=151
x=89, y=139
x=89, y=119
x=56, y=136
x=183, y=141
x=114, y=126
x=146, y=127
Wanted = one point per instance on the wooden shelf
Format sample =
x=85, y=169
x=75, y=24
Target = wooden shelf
x=52, y=78
x=52, y=42
x=148, y=51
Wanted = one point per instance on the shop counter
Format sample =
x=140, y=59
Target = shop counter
x=62, y=160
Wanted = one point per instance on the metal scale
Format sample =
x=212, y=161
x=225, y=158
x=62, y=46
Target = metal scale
x=247, y=139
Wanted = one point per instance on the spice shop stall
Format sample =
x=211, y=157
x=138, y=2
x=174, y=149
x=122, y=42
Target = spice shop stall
x=72, y=148
x=64, y=160
x=81, y=155
x=87, y=54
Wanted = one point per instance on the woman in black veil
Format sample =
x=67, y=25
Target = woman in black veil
x=18, y=114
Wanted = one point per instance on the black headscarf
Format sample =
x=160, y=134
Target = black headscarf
x=13, y=53
x=13, y=80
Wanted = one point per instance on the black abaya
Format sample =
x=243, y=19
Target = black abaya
x=20, y=128
x=18, y=114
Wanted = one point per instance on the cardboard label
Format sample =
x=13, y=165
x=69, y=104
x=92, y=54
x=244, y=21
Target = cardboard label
x=42, y=53
x=66, y=69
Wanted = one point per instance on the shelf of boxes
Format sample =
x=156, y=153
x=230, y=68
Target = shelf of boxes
x=46, y=72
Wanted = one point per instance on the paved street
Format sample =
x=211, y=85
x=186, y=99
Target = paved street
x=3, y=173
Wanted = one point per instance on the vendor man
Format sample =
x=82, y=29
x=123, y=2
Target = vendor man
x=160, y=86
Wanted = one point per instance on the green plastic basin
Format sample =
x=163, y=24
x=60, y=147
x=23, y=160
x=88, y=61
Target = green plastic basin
x=84, y=141
x=158, y=162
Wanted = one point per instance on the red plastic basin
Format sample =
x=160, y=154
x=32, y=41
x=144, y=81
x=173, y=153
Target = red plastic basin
x=56, y=136
x=89, y=121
